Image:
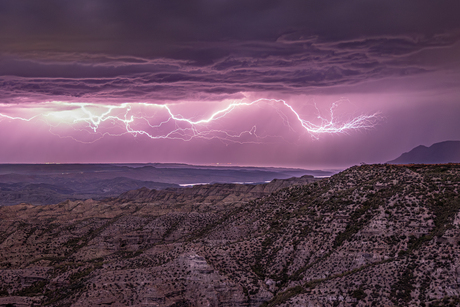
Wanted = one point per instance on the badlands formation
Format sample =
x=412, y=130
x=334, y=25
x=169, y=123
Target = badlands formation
x=372, y=235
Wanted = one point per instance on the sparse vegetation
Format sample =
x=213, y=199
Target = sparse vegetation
x=373, y=234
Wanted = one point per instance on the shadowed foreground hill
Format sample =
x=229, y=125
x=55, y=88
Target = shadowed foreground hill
x=373, y=234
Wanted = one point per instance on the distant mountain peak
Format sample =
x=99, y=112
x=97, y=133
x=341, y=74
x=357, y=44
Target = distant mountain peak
x=442, y=152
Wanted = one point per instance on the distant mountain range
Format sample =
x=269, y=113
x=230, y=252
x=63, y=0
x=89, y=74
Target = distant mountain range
x=41, y=184
x=443, y=152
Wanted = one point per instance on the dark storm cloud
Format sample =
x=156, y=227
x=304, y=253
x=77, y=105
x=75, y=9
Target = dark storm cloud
x=98, y=23
x=138, y=50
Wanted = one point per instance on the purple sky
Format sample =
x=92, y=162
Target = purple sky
x=301, y=83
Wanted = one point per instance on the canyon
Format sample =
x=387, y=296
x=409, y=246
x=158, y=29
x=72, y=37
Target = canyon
x=372, y=235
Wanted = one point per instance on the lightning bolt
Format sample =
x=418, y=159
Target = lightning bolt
x=331, y=127
x=170, y=125
x=18, y=118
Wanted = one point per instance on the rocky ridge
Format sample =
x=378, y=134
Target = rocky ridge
x=370, y=235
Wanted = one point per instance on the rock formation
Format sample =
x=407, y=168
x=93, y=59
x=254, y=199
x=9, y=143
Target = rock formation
x=385, y=235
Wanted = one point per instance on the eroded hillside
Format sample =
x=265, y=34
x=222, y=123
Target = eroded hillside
x=373, y=234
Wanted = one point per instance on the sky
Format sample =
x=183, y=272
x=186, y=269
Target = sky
x=297, y=83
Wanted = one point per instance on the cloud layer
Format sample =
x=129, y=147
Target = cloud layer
x=387, y=54
x=173, y=50
x=287, y=66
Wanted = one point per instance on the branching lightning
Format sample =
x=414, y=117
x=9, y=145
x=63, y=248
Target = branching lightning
x=332, y=127
x=158, y=121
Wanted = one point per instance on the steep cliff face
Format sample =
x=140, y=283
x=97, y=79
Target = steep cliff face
x=381, y=234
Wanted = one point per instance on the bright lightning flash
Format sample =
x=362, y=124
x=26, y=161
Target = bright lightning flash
x=158, y=121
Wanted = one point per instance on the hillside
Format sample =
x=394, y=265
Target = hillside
x=370, y=235
x=443, y=152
